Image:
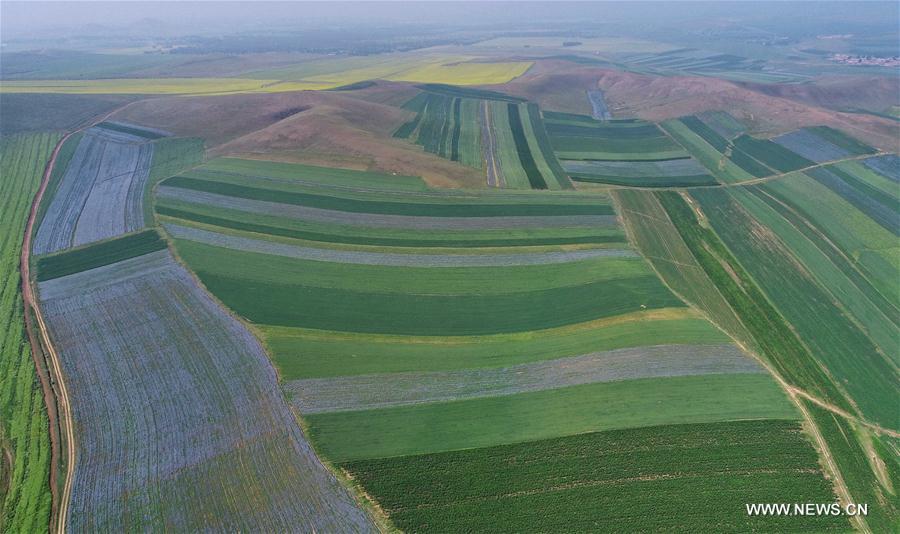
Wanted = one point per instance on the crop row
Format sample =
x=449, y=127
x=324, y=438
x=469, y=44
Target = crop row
x=678, y=478
x=494, y=218
x=484, y=422
x=535, y=179
x=318, y=395
x=248, y=244
x=304, y=353
x=839, y=345
x=411, y=208
x=397, y=237
x=777, y=341
x=98, y=254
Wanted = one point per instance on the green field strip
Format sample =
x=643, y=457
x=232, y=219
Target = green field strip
x=275, y=303
x=658, y=240
x=776, y=340
x=543, y=166
x=466, y=424
x=98, y=254
x=648, y=145
x=855, y=464
x=457, y=119
x=470, y=134
x=171, y=155
x=25, y=496
x=420, y=209
x=448, y=196
x=269, y=226
x=601, y=481
x=837, y=343
x=210, y=258
x=873, y=249
x=535, y=178
x=603, y=130
x=747, y=163
x=545, y=148
x=705, y=132
x=514, y=175
x=772, y=154
x=623, y=156
x=662, y=181
x=306, y=353
x=433, y=128
x=311, y=174
x=719, y=166
x=445, y=196
x=880, y=317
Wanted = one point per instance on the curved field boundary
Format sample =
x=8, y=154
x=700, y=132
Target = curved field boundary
x=181, y=423
x=380, y=220
x=365, y=392
x=247, y=244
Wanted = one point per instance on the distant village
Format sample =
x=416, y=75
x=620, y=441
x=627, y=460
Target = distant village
x=848, y=59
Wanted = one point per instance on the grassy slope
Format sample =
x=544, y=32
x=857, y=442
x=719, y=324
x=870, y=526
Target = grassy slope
x=23, y=417
x=491, y=421
x=643, y=478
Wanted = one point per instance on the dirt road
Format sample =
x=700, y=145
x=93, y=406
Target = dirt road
x=57, y=401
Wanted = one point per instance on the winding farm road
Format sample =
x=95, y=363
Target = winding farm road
x=61, y=399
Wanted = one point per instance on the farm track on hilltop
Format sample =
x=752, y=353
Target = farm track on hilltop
x=58, y=405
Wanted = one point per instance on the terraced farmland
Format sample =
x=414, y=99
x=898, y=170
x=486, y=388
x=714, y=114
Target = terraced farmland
x=487, y=130
x=415, y=350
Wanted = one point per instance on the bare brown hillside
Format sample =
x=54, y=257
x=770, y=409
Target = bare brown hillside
x=560, y=85
x=328, y=128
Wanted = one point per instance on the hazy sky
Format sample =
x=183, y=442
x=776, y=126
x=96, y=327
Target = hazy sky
x=21, y=17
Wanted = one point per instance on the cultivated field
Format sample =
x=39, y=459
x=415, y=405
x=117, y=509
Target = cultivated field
x=412, y=342
x=807, y=261
x=485, y=129
x=25, y=496
x=189, y=411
